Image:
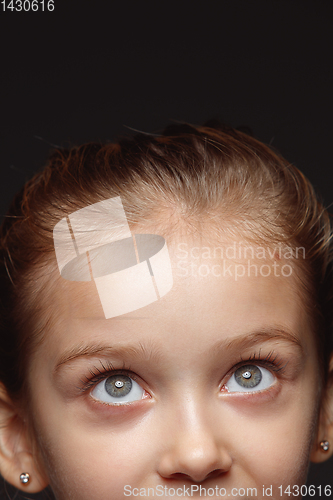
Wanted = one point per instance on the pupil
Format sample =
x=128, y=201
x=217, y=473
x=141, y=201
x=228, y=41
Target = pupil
x=118, y=386
x=248, y=376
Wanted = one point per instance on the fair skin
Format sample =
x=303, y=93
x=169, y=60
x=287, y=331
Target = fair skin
x=191, y=423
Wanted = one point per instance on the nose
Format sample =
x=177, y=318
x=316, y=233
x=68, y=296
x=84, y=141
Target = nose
x=194, y=450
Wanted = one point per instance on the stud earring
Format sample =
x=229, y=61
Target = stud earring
x=24, y=477
x=324, y=445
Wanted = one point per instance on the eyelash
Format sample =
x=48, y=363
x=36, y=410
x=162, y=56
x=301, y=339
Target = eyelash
x=271, y=361
x=97, y=375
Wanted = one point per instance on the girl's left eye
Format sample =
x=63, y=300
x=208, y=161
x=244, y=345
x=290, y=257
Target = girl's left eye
x=118, y=389
x=250, y=378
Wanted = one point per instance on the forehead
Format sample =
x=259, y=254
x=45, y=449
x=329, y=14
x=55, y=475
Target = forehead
x=208, y=300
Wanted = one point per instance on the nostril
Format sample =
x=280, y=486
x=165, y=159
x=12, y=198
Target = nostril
x=214, y=473
x=180, y=476
x=195, y=461
x=187, y=477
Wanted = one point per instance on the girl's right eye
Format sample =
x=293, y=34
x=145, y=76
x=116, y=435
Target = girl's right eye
x=118, y=389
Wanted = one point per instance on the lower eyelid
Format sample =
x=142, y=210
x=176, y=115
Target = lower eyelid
x=254, y=398
x=145, y=396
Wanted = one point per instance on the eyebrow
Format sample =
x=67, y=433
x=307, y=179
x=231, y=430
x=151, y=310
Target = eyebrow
x=141, y=352
x=119, y=351
x=264, y=335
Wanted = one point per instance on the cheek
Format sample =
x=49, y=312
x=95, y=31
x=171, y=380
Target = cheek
x=274, y=446
x=279, y=456
x=85, y=464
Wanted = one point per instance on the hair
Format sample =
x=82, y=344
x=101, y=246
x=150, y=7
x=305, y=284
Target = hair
x=184, y=177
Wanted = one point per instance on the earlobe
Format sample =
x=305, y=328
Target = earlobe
x=321, y=451
x=16, y=457
x=323, y=445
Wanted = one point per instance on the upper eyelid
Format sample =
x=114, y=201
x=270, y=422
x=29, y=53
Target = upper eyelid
x=272, y=359
x=107, y=369
x=140, y=352
x=257, y=362
x=90, y=383
x=103, y=376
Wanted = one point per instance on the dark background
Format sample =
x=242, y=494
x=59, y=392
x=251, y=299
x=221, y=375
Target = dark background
x=95, y=70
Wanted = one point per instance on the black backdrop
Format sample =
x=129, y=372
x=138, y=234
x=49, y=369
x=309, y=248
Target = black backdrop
x=95, y=70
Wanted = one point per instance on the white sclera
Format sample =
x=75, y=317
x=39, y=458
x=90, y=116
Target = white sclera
x=267, y=379
x=99, y=392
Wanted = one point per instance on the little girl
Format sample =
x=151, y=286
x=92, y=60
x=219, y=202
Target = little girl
x=166, y=322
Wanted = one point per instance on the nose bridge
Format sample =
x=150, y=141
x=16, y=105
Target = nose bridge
x=194, y=447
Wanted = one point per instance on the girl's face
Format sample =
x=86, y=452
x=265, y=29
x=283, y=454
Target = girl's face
x=215, y=386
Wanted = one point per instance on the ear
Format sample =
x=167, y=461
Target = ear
x=325, y=424
x=16, y=449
